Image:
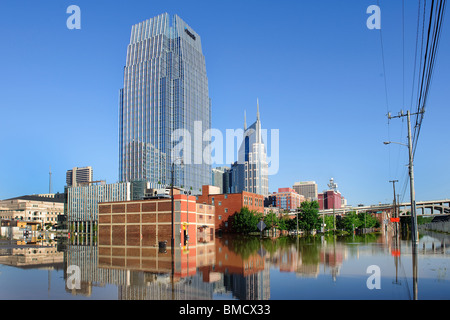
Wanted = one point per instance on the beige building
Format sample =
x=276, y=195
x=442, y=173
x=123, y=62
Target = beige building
x=79, y=176
x=275, y=210
x=307, y=189
x=44, y=210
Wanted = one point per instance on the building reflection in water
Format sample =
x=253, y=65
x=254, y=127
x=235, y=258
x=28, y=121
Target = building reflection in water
x=229, y=266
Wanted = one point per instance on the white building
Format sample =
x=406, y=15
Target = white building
x=44, y=210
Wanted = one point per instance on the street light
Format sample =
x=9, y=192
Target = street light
x=389, y=142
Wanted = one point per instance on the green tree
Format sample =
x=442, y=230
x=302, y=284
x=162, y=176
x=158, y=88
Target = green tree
x=285, y=222
x=308, y=218
x=350, y=222
x=329, y=222
x=270, y=220
x=246, y=221
x=367, y=221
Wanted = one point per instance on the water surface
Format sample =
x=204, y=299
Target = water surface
x=232, y=267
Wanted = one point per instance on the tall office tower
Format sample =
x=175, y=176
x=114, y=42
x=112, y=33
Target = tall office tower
x=250, y=172
x=306, y=188
x=77, y=176
x=219, y=178
x=164, y=96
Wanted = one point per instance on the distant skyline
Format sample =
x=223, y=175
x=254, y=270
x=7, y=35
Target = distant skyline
x=315, y=67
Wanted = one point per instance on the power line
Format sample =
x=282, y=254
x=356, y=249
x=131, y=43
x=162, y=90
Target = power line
x=428, y=53
x=385, y=90
x=433, y=36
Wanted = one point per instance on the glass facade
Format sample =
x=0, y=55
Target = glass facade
x=250, y=172
x=165, y=92
x=82, y=202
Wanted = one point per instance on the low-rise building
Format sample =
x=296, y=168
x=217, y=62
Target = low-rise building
x=307, y=189
x=287, y=199
x=147, y=223
x=274, y=210
x=226, y=205
x=44, y=210
x=82, y=203
x=330, y=199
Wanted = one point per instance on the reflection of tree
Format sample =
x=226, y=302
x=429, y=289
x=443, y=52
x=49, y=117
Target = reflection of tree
x=244, y=246
x=274, y=245
x=364, y=238
x=310, y=250
x=247, y=246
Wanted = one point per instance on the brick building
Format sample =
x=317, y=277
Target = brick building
x=226, y=205
x=143, y=224
x=330, y=199
x=287, y=199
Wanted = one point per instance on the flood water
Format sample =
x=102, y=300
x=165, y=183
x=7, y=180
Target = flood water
x=373, y=266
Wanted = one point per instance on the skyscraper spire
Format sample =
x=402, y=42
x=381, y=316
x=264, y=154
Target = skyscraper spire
x=257, y=109
x=258, y=123
x=245, y=120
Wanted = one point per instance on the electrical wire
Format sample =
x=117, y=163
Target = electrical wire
x=433, y=36
x=385, y=91
x=428, y=54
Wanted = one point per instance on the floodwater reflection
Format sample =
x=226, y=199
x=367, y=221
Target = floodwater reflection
x=232, y=267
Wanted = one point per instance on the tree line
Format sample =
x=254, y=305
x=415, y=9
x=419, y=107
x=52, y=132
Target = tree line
x=306, y=219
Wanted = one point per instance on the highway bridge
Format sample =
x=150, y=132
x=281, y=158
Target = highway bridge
x=424, y=208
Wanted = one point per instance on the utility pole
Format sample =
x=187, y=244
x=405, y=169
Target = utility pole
x=411, y=181
x=394, y=209
x=172, y=239
x=414, y=229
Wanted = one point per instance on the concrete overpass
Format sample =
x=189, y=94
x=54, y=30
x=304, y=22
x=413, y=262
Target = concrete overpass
x=424, y=208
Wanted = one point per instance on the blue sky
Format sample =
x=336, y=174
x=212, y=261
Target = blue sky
x=314, y=65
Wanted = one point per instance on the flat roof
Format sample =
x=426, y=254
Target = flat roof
x=37, y=198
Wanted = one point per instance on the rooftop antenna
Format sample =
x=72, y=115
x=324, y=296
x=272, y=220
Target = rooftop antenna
x=332, y=185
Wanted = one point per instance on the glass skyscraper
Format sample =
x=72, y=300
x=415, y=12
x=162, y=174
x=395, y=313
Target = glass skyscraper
x=250, y=172
x=164, y=106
